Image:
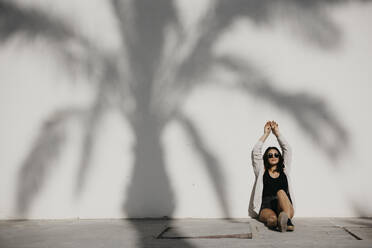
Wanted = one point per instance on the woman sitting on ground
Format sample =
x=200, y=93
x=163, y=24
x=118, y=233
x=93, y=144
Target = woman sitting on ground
x=272, y=201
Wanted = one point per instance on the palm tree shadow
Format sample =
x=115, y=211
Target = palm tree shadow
x=144, y=38
x=149, y=191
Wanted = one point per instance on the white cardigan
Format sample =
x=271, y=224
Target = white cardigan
x=259, y=170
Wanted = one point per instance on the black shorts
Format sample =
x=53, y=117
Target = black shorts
x=272, y=203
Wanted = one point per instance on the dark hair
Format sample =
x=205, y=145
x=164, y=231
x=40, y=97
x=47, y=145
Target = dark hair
x=280, y=166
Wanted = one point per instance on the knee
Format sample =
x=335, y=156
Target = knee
x=280, y=192
x=272, y=221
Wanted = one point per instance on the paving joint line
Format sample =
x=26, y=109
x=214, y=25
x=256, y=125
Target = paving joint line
x=347, y=230
x=351, y=233
x=160, y=236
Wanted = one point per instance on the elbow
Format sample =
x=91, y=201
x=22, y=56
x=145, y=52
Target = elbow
x=256, y=155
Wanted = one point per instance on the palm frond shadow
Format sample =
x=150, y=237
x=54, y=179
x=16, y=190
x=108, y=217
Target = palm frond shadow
x=210, y=161
x=312, y=113
x=307, y=19
x=15, y=19
x=46, y=149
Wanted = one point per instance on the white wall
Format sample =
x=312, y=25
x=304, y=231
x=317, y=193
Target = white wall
x=292, y=61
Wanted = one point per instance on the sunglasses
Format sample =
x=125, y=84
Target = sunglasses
x=271, y=155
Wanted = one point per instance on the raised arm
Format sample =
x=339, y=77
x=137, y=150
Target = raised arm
x=286, y=148
x=257, y=161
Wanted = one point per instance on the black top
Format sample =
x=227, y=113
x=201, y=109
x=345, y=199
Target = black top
x=273, y=185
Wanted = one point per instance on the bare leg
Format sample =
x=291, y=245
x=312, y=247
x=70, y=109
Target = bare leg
x=284, y=204
x=268, y=217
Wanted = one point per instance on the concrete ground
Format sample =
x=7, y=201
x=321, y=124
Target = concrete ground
x=108, y=233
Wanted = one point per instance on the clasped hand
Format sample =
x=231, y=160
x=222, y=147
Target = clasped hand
x=271, y=126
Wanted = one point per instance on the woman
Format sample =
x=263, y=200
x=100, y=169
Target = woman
x=271, y=196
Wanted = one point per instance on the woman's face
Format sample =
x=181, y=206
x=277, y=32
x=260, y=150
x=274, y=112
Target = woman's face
x=271, y=157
